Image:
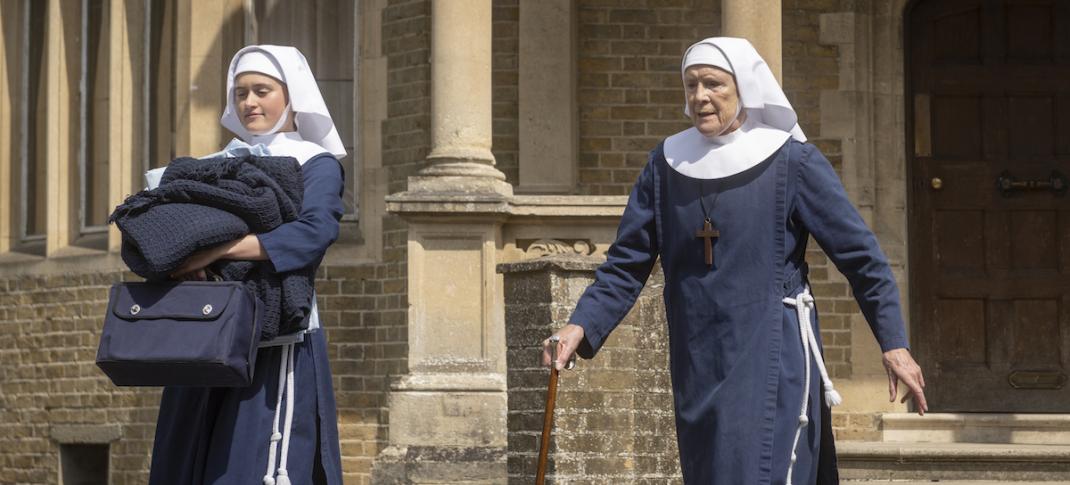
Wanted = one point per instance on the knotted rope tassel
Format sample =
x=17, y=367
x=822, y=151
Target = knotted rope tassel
x=285, y=388
x=804, y=307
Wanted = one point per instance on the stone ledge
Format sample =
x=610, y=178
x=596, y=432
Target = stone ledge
x=522, y=206
x=953, y=452
x=400, y=465
x=562, y=262
x=1038, y=429
x=567, y=206
x=942, y=482
x=952, y=461
x=85, y=434
x=450, y=382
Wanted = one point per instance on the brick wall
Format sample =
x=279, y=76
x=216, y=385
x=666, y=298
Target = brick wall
x=809, y=68
x=50, y=386
x=630, y=92
x=369, y=301
x=359, y=307
x=49, y=330
x=614, y=419
x=506, y=98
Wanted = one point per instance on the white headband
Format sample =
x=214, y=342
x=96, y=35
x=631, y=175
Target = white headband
x=258, y=61
x=709, y=55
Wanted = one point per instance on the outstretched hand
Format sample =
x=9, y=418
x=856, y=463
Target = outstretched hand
x=570, y=337
x=901, y=367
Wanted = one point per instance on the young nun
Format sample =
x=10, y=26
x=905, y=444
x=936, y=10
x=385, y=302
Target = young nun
x=729, y=205
x=281, y=429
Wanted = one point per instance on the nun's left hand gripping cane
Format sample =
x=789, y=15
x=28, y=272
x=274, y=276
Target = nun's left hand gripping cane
x=548, y=416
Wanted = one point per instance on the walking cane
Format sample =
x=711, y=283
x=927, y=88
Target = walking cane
x=548, y=417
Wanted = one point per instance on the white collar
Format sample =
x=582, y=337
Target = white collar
x=691, y=153
x=285, y=144
x=289, y=144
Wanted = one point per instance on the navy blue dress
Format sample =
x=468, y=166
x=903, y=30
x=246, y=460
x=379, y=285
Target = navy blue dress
x=222, y=435
x=736, y=356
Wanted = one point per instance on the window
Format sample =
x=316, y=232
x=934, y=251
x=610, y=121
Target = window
x=30, y=171
x=93, y=159
x=83, y=464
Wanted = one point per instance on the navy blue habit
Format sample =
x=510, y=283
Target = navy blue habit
x=736, y=357
x=222, y=435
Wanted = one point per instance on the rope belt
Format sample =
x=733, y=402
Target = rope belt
x=286, y=387
x=804, y=307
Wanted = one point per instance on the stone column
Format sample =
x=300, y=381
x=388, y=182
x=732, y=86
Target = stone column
x=759, y=22
x=461, y=116
x=448, y=414
x=10, y=94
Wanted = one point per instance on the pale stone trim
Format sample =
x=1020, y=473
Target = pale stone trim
x=85, y=433
x=866, y=114
x=758, y=21
x=123, y=94
x=61, y=133
x=548, y=125
x=8, y=111
x=367, y=157
x=200, y=72
x=1008, y=428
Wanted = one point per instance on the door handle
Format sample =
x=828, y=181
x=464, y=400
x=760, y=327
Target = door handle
x=1008, y=184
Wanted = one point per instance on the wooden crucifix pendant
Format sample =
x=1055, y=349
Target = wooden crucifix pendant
x=709, y=234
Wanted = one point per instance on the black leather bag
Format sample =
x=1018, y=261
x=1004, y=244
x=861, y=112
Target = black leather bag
x=190, y=333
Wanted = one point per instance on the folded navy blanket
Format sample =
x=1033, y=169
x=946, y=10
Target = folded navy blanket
x=203, y=203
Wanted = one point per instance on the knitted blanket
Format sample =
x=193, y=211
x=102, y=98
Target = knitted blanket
x=203, y=203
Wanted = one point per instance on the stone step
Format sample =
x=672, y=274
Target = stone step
x=953, y=461
x=1037, y=429
x=942, y=482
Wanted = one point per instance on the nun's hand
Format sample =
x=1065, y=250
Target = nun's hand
x=193, y=268
x=568, y=340
x=901, y=367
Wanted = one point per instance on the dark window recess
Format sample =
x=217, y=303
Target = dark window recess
x=83, y=464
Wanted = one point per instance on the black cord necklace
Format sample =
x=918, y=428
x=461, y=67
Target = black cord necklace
x=708, y=232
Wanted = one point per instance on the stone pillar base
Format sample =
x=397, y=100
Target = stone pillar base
x=459, y=184
x=404, y=465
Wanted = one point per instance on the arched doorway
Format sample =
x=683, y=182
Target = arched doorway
x=988, y=103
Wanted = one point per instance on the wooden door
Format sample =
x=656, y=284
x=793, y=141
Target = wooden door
x=988, y=86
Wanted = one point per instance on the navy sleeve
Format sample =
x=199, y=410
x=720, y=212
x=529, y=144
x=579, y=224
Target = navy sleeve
x=825, y=211
x=621, y=278
x=303, y=241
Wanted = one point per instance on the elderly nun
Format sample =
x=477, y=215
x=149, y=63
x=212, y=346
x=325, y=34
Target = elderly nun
x=729, y=205
x=282, y=429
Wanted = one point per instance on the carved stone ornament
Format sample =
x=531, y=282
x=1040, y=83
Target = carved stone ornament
x=545, y=247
